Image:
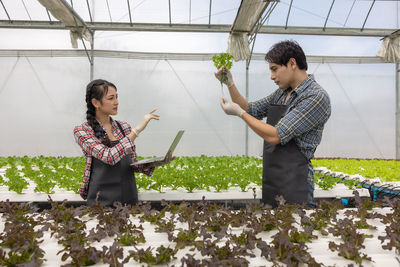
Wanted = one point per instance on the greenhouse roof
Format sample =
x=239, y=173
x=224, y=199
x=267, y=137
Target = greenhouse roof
x=308, y=17
x=361, y=14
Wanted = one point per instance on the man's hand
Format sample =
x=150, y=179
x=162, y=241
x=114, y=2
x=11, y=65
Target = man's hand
x=231, y=108
x=224, y=71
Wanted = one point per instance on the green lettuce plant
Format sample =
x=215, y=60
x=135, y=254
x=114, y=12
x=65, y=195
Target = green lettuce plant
x=223, y=59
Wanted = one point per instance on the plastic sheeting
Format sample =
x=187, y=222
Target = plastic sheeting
x=246, y=19
x=390, y=49
x=77, y=29
x=238, y=46
x=42, y=99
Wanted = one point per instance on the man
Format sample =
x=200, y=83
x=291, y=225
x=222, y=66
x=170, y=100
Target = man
x=296, y=114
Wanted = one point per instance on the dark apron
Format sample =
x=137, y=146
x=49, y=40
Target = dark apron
x=113, y=182
x=285, y=168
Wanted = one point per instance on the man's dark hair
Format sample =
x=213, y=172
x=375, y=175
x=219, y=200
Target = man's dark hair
x=281, y=52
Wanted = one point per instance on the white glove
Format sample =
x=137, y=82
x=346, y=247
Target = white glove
x=148, y=117
x=228, y=76
x=231, y=108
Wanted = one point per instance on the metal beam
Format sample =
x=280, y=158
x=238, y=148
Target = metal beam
x=90, y=13
x=209, y=13
x=87, y=52
x=92, y=58
x=344, y=60
x=288, y=13
x=217, y=28
x=129, y=11
x=348, y=15
x=48, y=15
x=5, y=10
x=173, y=56
x=26, y=10
x=246, y=127
x=369, y=11
x=397, y=115
x=327, y=17
x=329, y=31
x=76, y=15
x=109, y=11
x=169, y=11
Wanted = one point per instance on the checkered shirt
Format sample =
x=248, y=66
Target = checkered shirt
x=92, y=147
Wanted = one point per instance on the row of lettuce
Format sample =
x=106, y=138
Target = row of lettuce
x=211, y=234
x=188, y=173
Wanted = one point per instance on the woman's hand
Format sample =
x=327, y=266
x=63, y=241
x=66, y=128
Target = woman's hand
x=146, y=119
x=151, y=116
x=167, y=159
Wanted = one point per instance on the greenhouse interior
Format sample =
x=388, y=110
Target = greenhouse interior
x=130, y=133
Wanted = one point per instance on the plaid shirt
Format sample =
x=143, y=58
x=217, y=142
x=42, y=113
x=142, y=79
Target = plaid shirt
x=92, y=147
x=308, y=110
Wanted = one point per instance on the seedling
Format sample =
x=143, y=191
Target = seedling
x=223, y=59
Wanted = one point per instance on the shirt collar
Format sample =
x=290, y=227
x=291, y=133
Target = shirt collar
x=302, y=86
x=112, y=122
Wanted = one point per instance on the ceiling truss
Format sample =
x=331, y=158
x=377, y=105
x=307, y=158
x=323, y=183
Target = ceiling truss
x=212, y=28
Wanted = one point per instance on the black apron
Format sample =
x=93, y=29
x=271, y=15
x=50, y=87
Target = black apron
x=285, y=168
x=113, y=182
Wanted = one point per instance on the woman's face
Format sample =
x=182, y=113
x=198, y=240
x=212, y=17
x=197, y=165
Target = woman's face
x=108, y=104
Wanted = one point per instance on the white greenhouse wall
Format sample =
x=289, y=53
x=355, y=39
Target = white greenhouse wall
x=42, y=99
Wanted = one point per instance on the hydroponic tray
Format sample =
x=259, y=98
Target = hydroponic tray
x=318, y=248
x=28, y=195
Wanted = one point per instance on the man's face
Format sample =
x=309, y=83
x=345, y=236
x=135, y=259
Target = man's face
x=282, y=75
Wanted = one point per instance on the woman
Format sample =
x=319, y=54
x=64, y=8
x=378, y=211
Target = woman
x=109, y=149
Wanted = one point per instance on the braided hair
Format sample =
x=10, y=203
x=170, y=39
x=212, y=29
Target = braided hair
x=97, y=89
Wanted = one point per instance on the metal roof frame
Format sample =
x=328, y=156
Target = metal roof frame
x=205, y=28
x=171, y=56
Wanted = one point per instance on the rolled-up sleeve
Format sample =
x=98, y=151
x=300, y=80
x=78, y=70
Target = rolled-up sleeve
x=259, y=109
x=308, y=113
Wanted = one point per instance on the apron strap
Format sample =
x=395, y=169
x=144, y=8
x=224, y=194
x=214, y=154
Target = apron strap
x=120, y=127
x=122, y=131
